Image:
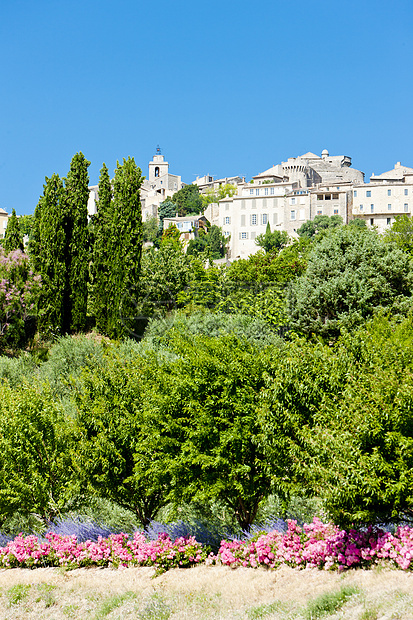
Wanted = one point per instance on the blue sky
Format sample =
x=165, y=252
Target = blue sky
x=224, y=88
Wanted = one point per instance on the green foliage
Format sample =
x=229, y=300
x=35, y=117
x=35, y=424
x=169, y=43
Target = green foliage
x=212, y=195
x=112, y=458
x=167, y=208
x=105, y=242
x=361, y=442
x=272, y=241
x=77, y=254
x=330, y=602
x=213, y=243
x=320, y=223
x=34, y=454
x=351, y=273
x=13, y=238
x=188, y=200
x=125, y=260
x=19, y=294
x=48, y=250
x=150, y=230
x=358, y=223
x=401, y=233
x=18, y=593
x=25, y=224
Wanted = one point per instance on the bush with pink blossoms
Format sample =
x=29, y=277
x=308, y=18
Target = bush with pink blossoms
x=19, y=291
x=118, y=550
x=321, y=545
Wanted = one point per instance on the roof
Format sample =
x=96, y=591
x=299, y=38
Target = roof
x=398, y=172
x=309, y=155
x=186, y=218
x=3, y=211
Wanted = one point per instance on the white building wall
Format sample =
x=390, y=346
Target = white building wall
x=379, y=204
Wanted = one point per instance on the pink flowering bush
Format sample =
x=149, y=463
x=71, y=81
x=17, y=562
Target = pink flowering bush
x=315, y=545
x=118, y=550
x=321, y=545
x=19, y=290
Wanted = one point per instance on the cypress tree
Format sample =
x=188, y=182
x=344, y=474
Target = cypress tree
x=103, y=249
x=13, y=239
x=125, y=259
x=77, y=252
x=48, y=252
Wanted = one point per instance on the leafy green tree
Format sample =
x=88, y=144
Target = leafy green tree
x=361, y=439
x=13, y=239
x=222, y=192
x=167, y=208
x=188, y=200
x=112, y=457
x=401, y=233
x=126, y=256
x=25, y=224
x=320, y=223
x=35, y=442
x=19, y=293
x=77, y=254
x=150, y=229
x=213, y=242
x=358, y=223
x=272, y=241
x=351, y=273
x=105, y=242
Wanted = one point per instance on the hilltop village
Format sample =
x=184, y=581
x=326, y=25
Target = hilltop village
x=284, y=196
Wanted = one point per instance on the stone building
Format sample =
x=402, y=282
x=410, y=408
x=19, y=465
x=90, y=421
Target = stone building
x=387, y=195
x=4, y=217
x=285, y=196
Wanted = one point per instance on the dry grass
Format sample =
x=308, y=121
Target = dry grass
x=203, y=593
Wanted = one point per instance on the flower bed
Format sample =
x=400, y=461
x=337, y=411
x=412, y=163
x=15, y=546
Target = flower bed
x=115, y=551
x=315, y=545
x=323, y=546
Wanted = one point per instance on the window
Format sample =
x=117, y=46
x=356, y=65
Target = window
x=406, y=192
x=264, y=202
x=338, y=187
x=389, y=192
x=335, y=196
x=335, y=211
x=253, y=234
x=257, y=191
x=243, y=220
x=372, y=221
x=388, y=221
x=320, y=212
x=327, y=197
x=292, y=201
x=361, y=207
x=355, y=193
x=275, y=218
x=156, y=171
x=292, y=215
x=389, y=207
x=227, y=220
x=227, y=206
x=406, y=207
x=368, y=193
x=266, y=191
x=372, y=208
x=319, y=196
x=302, y=214
x=242, y=204
x=272, y=190
x=243, y=235
x=254, y=221
x=251, y=192
x=264, y=218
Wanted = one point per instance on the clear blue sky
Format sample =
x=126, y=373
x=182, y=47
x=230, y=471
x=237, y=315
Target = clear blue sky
x=224, y=87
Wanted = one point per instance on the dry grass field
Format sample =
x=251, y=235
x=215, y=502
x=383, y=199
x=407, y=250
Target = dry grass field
x=205, y=593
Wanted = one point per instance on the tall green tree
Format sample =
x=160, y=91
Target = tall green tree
x=103, y=248
x=77, y=254
x=13, y=239
x=167, y=208
x=272, y=241
x=48, y=248
x=126, y=256
x=320, y=223
x=401, y=233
